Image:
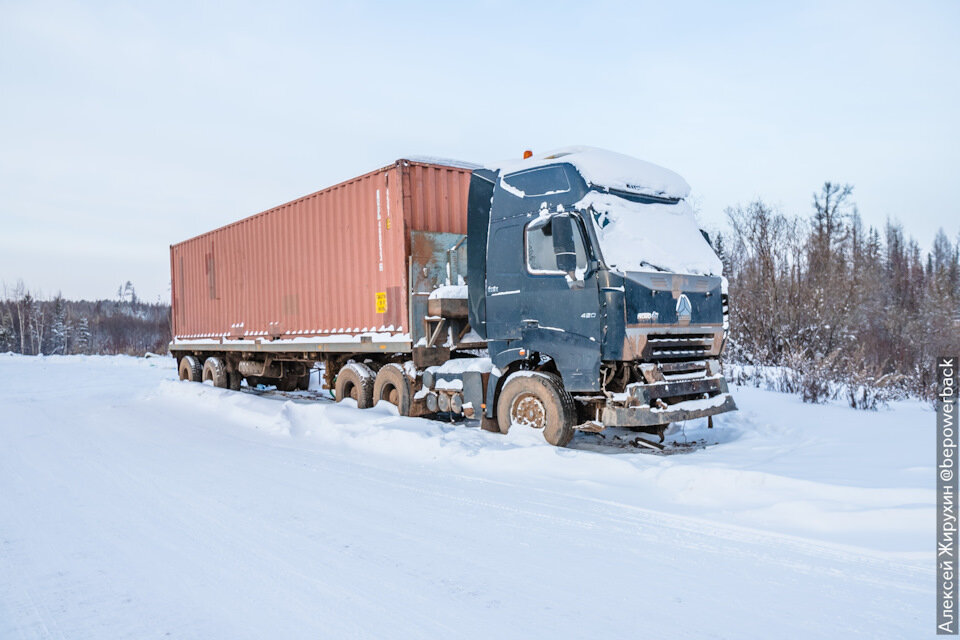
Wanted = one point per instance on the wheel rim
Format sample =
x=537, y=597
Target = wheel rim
x=529, y=411
x=393, y=396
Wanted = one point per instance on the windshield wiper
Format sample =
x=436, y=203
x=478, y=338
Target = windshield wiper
x=655, y=266
x=636, y=197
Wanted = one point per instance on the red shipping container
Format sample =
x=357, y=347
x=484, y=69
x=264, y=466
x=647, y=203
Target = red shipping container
x=332, y=262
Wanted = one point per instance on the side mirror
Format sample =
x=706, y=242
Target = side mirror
x=563, y=246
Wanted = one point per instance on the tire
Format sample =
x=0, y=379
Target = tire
x=539, y=400
x=287, y=383
x=355, y=381
x=190, y=369
x=215, y=371
x=303, y=382
x=393, y=386
x=233, y=381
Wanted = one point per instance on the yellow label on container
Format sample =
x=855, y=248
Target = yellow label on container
x=381, y=302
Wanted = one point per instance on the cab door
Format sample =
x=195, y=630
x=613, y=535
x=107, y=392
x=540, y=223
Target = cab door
x=560, y=298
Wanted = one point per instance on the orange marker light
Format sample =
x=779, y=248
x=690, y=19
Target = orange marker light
x=527, y=154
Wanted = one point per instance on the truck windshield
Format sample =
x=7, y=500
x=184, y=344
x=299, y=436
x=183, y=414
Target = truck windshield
x=653, y=236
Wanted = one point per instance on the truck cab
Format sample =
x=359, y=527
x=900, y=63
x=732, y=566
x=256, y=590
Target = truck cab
x=589, y=266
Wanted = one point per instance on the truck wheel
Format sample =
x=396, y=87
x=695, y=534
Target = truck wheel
x=215, y=371
x=287, y=383
x=537, y=400
x=303, y=382
x=233, y=381
x=393, y=385
x=355, y=381
x=190, y=369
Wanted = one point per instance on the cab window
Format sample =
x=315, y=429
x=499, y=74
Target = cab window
x=539, y=246
x=539, y=182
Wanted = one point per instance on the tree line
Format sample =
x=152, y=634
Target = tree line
x=836, y=307
x=33, y=325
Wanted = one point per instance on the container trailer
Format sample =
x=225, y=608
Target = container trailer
x=568, y=290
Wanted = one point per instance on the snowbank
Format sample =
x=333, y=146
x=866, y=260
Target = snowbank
x=135, y=505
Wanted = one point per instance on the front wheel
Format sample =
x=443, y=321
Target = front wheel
x=538, y=400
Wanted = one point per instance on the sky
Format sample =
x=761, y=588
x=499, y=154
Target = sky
x=127, y=127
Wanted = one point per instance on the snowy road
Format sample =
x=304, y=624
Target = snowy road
x=134, y=506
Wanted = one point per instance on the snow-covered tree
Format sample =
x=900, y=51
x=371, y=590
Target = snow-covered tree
x=8, y=335
x=82, y=342
x=24, y=304
x=58, y=326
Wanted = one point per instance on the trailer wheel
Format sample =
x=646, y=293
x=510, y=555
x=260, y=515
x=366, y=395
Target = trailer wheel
x=215, y=371
x=286, y=383
x=393, y=385
x=190, y=369
x=538, y=400
x=355, y=381
x=303, y=382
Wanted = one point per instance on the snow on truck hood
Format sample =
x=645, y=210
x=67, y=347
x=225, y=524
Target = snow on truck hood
x=603, y=168
x=638, y=236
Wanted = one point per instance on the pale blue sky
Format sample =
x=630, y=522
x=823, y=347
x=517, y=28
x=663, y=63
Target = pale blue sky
x=125, y=128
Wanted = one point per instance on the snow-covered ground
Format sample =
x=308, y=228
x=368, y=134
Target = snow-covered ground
x=136, y=506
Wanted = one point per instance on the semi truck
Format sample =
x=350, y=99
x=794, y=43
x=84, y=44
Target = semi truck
x=571, y=290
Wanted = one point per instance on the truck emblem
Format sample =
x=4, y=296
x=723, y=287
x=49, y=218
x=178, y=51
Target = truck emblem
x=684, y=308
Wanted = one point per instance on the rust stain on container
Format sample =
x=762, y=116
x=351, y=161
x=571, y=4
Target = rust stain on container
x=334, y=261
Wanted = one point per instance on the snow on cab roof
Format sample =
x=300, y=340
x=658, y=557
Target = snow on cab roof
x=603, y=168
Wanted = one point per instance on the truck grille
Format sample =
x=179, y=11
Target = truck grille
x=668, y=346
x=683, y=370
